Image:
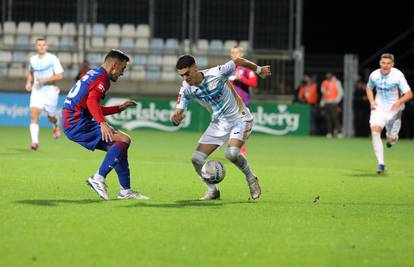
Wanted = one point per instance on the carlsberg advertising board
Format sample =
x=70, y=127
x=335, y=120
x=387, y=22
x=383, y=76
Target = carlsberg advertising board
x=274, y=119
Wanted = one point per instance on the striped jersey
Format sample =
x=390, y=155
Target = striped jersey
x=96, y=82
x=215, y=93
x=388, y=86
x=44, y=67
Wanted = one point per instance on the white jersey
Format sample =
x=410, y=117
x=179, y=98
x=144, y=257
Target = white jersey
x=44, y=67
x=216, y=93
x=387, y=86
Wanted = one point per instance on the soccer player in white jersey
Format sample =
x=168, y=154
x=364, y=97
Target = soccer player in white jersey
x=231, y=122
x=43, y=72
x=392, y=91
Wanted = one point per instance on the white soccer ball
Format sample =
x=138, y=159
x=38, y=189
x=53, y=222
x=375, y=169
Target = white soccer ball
x=213, y=172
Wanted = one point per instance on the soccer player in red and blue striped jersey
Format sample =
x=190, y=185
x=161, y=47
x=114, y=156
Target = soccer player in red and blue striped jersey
x=84, y=123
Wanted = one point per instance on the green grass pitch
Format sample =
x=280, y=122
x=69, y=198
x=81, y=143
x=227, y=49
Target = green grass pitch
x=322, y=205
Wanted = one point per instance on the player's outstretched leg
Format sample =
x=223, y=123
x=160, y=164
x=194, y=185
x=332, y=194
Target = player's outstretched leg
x=198, y=159
x=97, y=183
x=122, y=169
x=233, y=154
x=393, y=128
x=55, y=122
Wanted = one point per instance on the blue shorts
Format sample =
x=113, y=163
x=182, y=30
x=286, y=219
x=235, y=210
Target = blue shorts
x=87, y=133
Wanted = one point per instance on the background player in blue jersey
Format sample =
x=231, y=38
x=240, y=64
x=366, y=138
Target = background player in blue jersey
x=387, y=106
x=232, y=121
x=84, y=123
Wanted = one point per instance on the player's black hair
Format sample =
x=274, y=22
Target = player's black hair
x=117, y=54
x=185, y=61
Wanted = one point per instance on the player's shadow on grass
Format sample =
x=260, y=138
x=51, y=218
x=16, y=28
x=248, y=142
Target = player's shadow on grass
x=15, y=151
x=186, y=203
x=57, y=202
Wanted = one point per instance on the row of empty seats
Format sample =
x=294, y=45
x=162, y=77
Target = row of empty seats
x=72, y=29
x=134, y=73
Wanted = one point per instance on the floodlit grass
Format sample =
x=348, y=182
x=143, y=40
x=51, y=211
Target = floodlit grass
x=322, y=205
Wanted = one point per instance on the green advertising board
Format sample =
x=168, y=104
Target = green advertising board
x=274, y=119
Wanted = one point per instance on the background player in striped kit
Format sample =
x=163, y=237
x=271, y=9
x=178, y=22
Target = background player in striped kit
x=232, y=122
x=43, y=72
x=387, y=106
x=242, y=79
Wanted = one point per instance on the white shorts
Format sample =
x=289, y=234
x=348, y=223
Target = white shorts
x=219, y=132
x=388, y=119
x=45, y=99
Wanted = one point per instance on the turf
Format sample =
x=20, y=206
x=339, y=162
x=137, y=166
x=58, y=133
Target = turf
x=322, y=205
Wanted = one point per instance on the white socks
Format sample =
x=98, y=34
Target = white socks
x=34, y=132
x=378, y=147
x=98, y=177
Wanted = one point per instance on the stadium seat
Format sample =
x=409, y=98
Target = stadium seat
x=9, y=27
x=95, y=59
x=5, y=56
x=24, y=28
x=127, y=43
x=245, y=45
x=216, y=47
x=202, y=46
x=113, y=30
x=19, y=57
x=82, y=27
x=67, y=42
x=53, y=42
x=153, y=74
x=76, y=58
x=22, y=41
x=172, y=45
x=65, y=58
x=169, y=60
x=17, y=70
x=69, y=29
x=168, y=76
x=3, y=70
x=54, y=28
x=97, y=42
x=128, y=30
x=137, y=73
x=157, y=44
x=139, y=60
x=39, y=29
x=143, y=31
x=8, y=40
x=142, y=44
x=112, y=42
x=228, y=45
x=185, y=45
x=98, y=30
x=202, y=61
x=154, y=60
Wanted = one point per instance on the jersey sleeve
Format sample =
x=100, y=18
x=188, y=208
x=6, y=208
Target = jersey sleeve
x=403, y=84
x=227, y=69
x=57, y=67
x=183, y=98
x=110, y=110
x=370, y=83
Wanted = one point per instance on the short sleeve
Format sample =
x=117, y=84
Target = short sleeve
x=403, y=84
x=227, y=69
x=183, y=98
x=370, y=83
x=57, y=67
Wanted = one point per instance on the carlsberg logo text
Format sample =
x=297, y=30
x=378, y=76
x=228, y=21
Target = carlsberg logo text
x=280, y=123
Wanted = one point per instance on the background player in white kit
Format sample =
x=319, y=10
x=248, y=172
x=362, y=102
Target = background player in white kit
x=43, y=72
x=232, y=122
x=387, y=106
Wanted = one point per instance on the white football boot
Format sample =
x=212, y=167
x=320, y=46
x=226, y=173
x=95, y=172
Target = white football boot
x=132, y=195
x=99, y=186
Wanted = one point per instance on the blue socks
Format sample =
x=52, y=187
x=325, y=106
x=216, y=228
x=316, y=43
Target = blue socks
x=117, y=158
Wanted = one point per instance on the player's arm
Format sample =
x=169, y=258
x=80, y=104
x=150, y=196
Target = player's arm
x=177, y=117
x=262, y=71
x=117, y=109
x=405, y=98
x=53, y=78
x=94, y=97
x=370, y=95
x=29, y=80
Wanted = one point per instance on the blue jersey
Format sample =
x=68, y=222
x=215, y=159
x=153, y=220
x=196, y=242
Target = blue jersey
x=215, y=93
